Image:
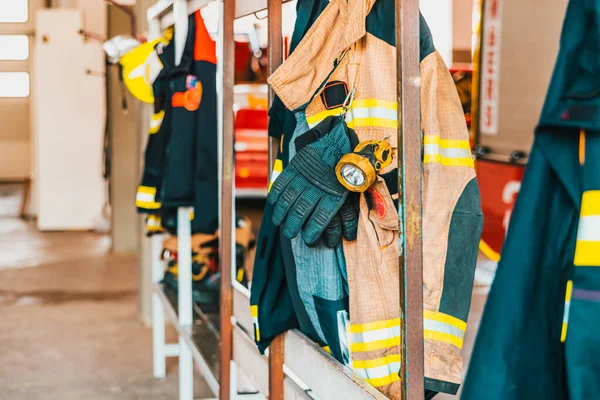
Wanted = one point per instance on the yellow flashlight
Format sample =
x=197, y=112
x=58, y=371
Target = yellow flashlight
x=358, y=170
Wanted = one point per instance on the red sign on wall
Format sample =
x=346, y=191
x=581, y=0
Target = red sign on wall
x=490, y=67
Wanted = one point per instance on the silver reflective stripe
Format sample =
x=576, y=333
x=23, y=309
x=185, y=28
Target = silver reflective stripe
x=378, y=372
x=146, y=197
x=437, y=326
x=446, y=152
x=375, y=335
x=589, y=228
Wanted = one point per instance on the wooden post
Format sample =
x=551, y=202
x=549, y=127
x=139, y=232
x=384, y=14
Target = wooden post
x=227, y=234
x=409, y=185
x=275, y=44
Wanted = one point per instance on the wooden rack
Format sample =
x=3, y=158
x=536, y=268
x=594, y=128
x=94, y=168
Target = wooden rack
x=295, y=368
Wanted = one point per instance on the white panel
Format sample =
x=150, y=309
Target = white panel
x=438, y=14
x=58, y=26
x=14, y=47
x=14, y=84
x=14, y=11
x=70, y=119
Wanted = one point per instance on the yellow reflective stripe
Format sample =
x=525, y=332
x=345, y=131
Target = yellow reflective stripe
x=565, y=324
x=587, y=250
x=390, y=367
x=445, y=318
x=254, y=313
x=363, y=113
x=447, y=143
x=587, y=254
x=448, y=162
x=590, y=203
x=388, y=380
x=379, y=344
x=145, y=198
x=240, y=275
x=147, y=189
x=370, y=326
x=153, y=223
x=156, y=122
x=277, y=169
x=149, y=205
x=158, y=116
x=320, y=116
x=378, y=362
x=443, y=337
x=326, y=349
x=375, y=122
x=449, y=153
x=367, y=103
x=443, y=328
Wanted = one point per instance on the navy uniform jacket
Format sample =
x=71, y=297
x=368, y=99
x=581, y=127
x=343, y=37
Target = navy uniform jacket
x=539, y=336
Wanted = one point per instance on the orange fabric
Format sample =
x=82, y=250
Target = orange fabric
x=178, y=99
x=190, y=99
x=205, y=48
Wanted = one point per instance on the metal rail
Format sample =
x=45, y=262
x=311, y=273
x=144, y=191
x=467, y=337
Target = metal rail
x=410, y=249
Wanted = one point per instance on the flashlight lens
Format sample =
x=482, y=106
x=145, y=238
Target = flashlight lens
x=353, y=175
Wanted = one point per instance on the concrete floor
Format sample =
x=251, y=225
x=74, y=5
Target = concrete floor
x=69, y=328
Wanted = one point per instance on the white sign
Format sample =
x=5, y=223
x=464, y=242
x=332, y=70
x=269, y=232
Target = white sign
x=490, y=68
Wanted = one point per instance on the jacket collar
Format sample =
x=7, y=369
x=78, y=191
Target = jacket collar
x=302, y=75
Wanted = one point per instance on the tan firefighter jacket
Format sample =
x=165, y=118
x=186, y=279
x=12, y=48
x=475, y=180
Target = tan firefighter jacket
x=352, y=44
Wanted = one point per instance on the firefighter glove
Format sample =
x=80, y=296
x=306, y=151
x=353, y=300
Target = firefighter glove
x=307, y=196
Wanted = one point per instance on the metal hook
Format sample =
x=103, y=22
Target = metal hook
x=348, y=102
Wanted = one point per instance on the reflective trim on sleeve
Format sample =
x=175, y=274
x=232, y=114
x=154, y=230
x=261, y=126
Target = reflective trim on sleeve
x=363, y=113
x=587, y=250
x=378, y=372
x=277, y=169
x=254, y=313
x=145, y=198
x=374, y=335
x=156, y=122
x=449, y=153
x=440, y=327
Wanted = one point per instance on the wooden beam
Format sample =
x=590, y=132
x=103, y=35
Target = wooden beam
x=409, y=184
x=227, y=234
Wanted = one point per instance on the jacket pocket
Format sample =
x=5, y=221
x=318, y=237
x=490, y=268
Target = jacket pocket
x=382, y=213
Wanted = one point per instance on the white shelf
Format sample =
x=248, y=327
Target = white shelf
x=187, y=333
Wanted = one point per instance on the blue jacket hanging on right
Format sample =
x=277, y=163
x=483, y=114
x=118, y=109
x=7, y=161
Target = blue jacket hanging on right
x=540, y=333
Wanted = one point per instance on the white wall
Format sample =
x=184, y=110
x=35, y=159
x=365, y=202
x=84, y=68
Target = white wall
x=438, y=14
